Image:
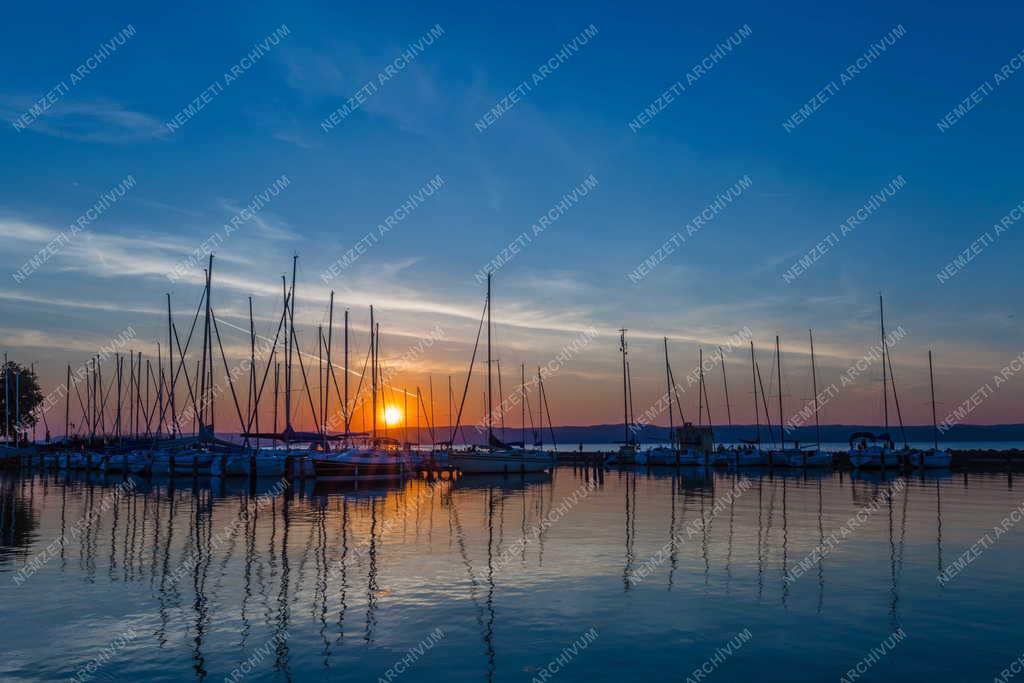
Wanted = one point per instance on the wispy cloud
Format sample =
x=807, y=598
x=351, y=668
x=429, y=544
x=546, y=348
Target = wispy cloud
x=87, y=121
x=265, y=223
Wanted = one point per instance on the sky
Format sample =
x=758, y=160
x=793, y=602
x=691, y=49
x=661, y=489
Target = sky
x=509, y=110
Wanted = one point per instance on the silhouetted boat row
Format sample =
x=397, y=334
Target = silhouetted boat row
x=693, y=445
x=146, y=434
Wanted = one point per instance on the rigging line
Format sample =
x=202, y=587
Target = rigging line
x=271, y=359
x=385, y=381
x=182, y=354
x=707, y=401
x=300, y=352
x=355, y=398
x=81, y=403
x=469, y=374
x=188, y=380
x=426, y=417
x=551, y=426
x=297, y=351
x=529, y=412
x=896, y=398
x=231, y=381
x=675, y=391
x=302, y=369
x=764, y=402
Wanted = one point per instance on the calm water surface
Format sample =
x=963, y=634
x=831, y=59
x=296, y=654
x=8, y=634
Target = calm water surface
x=647, y=575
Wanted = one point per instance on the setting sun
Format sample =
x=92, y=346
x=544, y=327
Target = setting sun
x=392, y=416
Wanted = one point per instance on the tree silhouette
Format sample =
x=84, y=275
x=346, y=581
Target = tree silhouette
x=19, y=397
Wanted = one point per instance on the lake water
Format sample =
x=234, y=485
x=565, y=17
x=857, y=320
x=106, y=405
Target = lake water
x=579, y=575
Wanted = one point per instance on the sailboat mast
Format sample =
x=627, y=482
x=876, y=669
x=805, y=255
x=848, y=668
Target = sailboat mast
x=159, y=389
x=935, y=421
x=149, y=381
x=201, y=378
x=430, y=388
x=540, y=410
x=885, y=381
x=725, y=381
x=291, y=348
x=778, y=369
x=210, y=333
x=319, y=379
x=668, y=389
x=522, y=402
x=67, y=407
x=373, y=375
x=277, y=399
x=254, y=408
x=92, y=404
x=814, y=388
x=330, y=368
x=632, y=419
x=490, y=429
x=700, y=388
x=757, y=412
x=119, y=366
x=348, y=415
x=170, y=358
x=625, y=388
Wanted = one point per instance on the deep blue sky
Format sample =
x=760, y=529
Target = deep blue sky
x=499, y=181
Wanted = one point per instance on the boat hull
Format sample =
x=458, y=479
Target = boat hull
x=348, y=469
x=181, y=463
x=755, y=458
x=810, y=459
x=498, y=463
x=873, y=459
x=655, y=456
x=933, y=460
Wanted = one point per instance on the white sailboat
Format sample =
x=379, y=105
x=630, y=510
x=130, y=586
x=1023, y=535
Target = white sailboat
x=750, y=454
x=935, y=458
x=496, y=457
x=381, y=458
x=660, y=455
x=809, y=457
x=872, y=451
x=877, y=451
x=782, y=456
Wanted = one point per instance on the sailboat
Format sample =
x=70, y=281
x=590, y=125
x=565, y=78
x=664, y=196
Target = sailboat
x=626, y=455
x=496, y=457
x=816, y=457
x=876, y=451
x=381, y=458
x=663, y=455
x=751, y=455
x=783, y=457
x=934, y=458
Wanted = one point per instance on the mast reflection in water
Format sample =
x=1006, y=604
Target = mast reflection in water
x=301, y=581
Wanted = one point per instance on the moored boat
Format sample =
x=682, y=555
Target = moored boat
x=934, y=458
x=809, y=458
x=872, y=451
x=751, y=457
x=659, y=455
x=501, y=460
x=361, y=463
